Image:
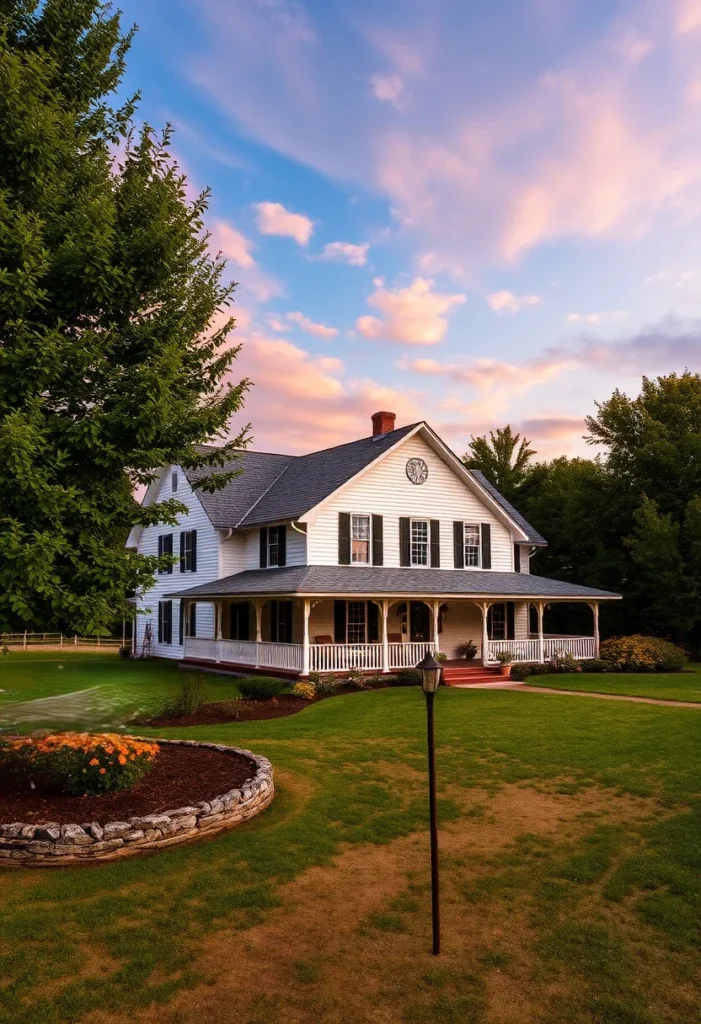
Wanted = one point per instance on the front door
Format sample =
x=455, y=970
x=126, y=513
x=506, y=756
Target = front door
x=419, y=622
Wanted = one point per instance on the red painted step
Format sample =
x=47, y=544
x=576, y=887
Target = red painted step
x=459, y=673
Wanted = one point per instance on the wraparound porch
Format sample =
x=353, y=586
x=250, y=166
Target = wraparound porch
x=297, y=636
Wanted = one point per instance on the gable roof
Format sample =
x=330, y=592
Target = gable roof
x=534, y=537
x=277, y=488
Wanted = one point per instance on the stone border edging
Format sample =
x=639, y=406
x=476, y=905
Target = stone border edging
x=55, y=845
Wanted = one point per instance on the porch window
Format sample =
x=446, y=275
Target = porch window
x=191, y=620
x=357, y=624
x=419, y=542
x=239, y=620
x=472, y=546
x=360, y=540
x=497, y=625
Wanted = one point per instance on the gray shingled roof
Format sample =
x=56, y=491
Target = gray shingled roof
x=308, y=479
x=227, y=507
x=533, y=536
x=366, y=580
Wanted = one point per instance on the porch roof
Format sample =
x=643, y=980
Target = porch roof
x=375, y=581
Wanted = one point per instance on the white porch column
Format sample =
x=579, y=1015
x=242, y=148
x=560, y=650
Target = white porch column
x=258, y=605
x=540, y=607
x=306, y=609
x=217, y=626
x=384, y=607
x=436, y=609
x=484, y=607
x=595, y=610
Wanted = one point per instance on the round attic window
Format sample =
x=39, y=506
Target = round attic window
x=417, y=471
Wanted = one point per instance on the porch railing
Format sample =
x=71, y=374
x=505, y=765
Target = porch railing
x=581, y=647
x=322, y=657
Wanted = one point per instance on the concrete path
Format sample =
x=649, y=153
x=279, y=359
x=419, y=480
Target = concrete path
x=579, y=693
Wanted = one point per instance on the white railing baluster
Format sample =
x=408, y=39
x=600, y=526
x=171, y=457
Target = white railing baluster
x=580, y=647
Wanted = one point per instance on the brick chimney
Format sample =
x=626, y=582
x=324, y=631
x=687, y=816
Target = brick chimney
x=382, y=423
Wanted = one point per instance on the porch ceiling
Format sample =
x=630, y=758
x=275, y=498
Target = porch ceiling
x=374, y=581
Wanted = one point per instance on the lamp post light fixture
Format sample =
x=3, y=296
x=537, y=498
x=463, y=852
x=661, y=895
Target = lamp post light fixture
x=430, y=670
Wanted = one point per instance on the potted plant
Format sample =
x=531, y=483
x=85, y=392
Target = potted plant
x=467, y=650
x=505, y=658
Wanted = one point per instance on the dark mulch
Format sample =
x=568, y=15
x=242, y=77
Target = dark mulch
x=180, y=776
x=239, y=710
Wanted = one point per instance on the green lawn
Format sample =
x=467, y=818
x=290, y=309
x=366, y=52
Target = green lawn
x=665, y=685
x=571, y=878
x=124, y=686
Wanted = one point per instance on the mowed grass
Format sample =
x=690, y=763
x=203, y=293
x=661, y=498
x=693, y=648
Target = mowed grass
x=571, y=879
x=127, y=685
x=684, y=685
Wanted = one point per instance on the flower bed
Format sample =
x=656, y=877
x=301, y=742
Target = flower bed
x=54, y=843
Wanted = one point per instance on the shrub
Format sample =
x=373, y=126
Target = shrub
x=80, y=763
x=325, y=684
x=261, y=687
x=125, y=651
x=305, y=690
x=521, y=671
x=642, y=654
x=594, y=665
x=188, y=700
x=409, y=677
x=563, y=663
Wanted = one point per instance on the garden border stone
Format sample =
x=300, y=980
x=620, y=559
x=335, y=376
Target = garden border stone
x=57, y=845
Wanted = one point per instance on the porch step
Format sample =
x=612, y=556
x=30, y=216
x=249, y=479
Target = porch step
x=461, y=674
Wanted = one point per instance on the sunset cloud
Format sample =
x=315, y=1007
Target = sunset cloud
x=506, y=302
x=488, y=375
x=388, y=88
x=274, y=219
x=346, y=252
x=255, y=284
x=232, y=244
x=688, y=16
x=309, y=327
x=416, y=315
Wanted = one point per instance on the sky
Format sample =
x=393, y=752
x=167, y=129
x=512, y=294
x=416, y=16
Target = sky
x=473, y=212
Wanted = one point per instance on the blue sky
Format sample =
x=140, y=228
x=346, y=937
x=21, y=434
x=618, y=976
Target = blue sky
x=471, y=213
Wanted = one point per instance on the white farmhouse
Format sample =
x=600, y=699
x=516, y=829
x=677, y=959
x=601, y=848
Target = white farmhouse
x=363, y=556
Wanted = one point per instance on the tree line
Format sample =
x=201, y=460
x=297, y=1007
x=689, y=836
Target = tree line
x=628, y=519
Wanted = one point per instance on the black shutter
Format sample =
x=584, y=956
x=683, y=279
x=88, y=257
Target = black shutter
x=160, y=622
x=344, y=538
x=517, y=558
x=435, y=544
x=263, y=547
x=244, y=621
x=286, y=622
x=193, y=550
x=404, y=541
x=182, y=551
x=510, y=624
x=373, y=623
x=486, y=546
x=339, y=622
x=459, y=545
x=168, y=623
x=193, y=619
x=378, y=546
x=181, y=622
x=282, y=545
x=168, y=550
x=273, y=622
x=160, y=549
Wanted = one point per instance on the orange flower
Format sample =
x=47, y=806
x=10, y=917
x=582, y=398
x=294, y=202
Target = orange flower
x=93, y=762
x=122, y=759
x=102, y=771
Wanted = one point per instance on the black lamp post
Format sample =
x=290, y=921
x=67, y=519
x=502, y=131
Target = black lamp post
x=430, y=671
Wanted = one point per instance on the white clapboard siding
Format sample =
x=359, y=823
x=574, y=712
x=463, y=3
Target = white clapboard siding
x=207, y=567
x=386, y=490
x=525, y=558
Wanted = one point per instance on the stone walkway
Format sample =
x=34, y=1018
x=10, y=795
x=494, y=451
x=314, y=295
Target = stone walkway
x=523, y=688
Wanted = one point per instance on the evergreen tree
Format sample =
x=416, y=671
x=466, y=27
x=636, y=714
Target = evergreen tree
x=503, y=457
x=109, y=364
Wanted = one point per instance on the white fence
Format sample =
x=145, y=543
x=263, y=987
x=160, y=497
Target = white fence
x=55, y=641
x=582, y=648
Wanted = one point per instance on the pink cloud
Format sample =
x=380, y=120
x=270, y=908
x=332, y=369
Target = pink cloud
x=507, y=302
x=416, y=314
x=309, y=327
x=254, y=283
x=490, y=375
x=274, y=219
x=688, y=16
x=346, y=252
x=388, y=88
x=232, y=244
x=553, y=427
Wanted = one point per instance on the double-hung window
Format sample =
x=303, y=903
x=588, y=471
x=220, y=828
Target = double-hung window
x=273, y=547
x=357, y=622
x=165, y=547
x=419, y=542
x=472, y=544
x=188, y=551
x=360, y=540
